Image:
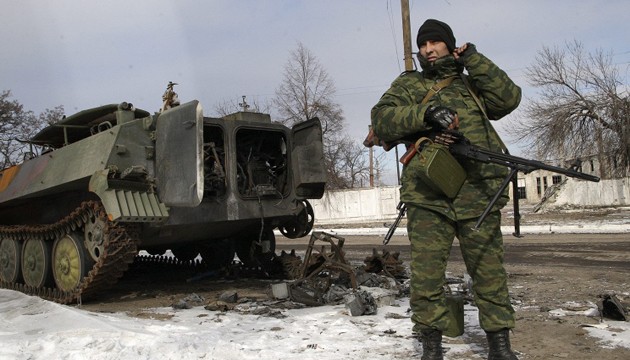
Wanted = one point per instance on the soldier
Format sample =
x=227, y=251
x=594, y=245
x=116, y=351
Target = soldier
x=420, y=103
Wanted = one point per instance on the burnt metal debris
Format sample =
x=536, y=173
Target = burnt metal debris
x=326, y=261
x=322, y=267
x=386, y=263
x=611, y=307
x=326, y=277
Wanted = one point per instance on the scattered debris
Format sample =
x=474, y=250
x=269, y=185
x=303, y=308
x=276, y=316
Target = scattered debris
x=574, y=308
x=290, y=263
x=321, y=269
x=610, y=307
x=387, y=263
x=361, y=303
x=330, y=262
x=219, y=306
x=325, y=277
x=395, y=316
x=229, y=297
x=189, y=302
x=280, y=290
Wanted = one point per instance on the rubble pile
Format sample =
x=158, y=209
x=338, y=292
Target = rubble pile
x=325, y=277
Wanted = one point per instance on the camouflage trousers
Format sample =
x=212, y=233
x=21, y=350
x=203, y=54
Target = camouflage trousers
x=431, y=236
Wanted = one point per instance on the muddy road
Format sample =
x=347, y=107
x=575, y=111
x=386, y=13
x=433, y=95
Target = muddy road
x=562, y=250
x=546, y=272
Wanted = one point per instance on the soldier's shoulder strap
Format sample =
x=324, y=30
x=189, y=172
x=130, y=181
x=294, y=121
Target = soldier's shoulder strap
x=472, y=91
x=436, y=88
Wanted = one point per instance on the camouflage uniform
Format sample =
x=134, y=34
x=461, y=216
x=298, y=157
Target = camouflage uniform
x=433, y=219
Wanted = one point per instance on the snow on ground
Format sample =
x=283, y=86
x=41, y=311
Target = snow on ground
x=31, y=328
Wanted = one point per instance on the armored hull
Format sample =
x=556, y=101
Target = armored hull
x=113, y=180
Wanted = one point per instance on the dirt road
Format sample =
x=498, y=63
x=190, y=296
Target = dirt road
x=546, y=272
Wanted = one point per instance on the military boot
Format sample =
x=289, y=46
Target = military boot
x=499, y=345
x=431, y=344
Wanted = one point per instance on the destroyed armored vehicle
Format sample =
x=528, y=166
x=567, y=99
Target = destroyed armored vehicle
x=107, y=182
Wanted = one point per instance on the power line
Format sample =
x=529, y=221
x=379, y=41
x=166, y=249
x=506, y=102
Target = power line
x=390, y=16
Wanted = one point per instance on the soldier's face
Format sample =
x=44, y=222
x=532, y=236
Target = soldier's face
x=433, y=50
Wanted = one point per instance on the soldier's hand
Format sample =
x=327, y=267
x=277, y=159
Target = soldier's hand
x=440, y=117
x=462, y=53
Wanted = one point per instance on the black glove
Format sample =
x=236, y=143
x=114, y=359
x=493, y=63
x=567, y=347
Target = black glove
x=439, y=117
x=470, y=50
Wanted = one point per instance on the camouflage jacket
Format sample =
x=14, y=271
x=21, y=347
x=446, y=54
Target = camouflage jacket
x=399, y=114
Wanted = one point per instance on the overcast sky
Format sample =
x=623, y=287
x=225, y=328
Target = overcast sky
x=82, y=54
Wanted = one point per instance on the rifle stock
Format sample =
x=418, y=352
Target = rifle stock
x=408, y=155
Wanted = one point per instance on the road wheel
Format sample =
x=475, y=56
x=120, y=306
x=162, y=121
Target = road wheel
x=71, y=261
x=301, y=225
x=94, y=233
x=36, y=263
x=10, y=255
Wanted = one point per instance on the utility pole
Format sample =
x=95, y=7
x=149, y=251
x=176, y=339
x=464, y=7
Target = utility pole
x=408, y=57
x=406, y=23
x=371, y=149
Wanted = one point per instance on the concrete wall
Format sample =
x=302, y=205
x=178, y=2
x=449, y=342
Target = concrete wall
x=356, y=206
x=585, y=193
x=379, y=204
x=537, y=182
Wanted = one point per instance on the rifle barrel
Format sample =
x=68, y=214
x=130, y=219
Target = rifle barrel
x=522, y=164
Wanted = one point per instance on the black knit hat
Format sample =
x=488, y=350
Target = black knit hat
x=436, y=30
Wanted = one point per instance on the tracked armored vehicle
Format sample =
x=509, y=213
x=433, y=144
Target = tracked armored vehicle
x=110, y=181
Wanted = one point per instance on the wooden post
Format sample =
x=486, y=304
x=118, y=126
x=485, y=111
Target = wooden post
x=406, y=23
x=372, y=167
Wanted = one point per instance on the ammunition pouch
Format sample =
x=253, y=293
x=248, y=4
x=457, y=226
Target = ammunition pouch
x=455, y=306
x=438, y=169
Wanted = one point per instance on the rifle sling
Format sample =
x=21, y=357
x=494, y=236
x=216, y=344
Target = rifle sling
x=473, y=94
x=436, y=88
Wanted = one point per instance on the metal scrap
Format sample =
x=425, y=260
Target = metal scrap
x=362, y=303
x=322, y=267
x=291, y=264
x=326, y=277
x=326, y=262
x=386, y=263
x=611, y=307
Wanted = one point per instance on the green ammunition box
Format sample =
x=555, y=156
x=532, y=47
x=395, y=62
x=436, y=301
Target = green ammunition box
x=455, y=305
x=440, y=170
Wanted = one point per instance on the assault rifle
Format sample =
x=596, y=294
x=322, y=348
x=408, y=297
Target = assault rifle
x=460, y=147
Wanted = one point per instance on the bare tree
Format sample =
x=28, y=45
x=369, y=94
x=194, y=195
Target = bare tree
x=583, y=109
x=346, y=164
x=18, y=125
x=307, y=92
